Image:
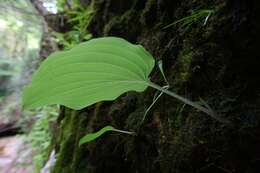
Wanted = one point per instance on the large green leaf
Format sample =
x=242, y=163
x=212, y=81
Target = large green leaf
x=97, y=70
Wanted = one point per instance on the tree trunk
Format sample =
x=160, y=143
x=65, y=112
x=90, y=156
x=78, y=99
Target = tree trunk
x=214, y=57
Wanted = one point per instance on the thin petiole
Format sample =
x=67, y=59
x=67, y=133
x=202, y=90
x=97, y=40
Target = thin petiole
x=186, y=101
x=157, y=96
x=154, y=101
x=123, y=131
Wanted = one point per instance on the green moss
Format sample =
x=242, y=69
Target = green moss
x=71, y=130
x=117, y=22
x=66, y=143
x=172, y=138
x=183, y=69
x=114, y=21
x=147, y=16
x=79, y=163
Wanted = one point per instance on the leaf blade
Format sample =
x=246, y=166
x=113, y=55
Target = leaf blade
x=92, y=136
x=97, y=70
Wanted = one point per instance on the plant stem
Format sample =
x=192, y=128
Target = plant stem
x=188, y=102
x=154, y=101
x=123, y=131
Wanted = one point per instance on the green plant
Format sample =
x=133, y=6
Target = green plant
x=40, y=135
x=97, y=70
x=100, y=69
x=195, y=17
x=79, y=18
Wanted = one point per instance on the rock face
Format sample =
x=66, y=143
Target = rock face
x=216, y=60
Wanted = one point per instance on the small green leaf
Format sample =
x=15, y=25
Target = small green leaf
x=96, y=70
x=93, y=136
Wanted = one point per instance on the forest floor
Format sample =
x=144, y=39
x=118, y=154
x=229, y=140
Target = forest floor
x=15, y=155
x=15, y=152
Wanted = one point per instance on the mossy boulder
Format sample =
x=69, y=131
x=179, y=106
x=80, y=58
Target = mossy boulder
x=217, y=62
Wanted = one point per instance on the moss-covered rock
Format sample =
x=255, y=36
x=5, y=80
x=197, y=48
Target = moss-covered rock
x=216, y=62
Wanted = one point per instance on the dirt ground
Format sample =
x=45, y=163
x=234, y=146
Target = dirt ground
x=14, y=155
